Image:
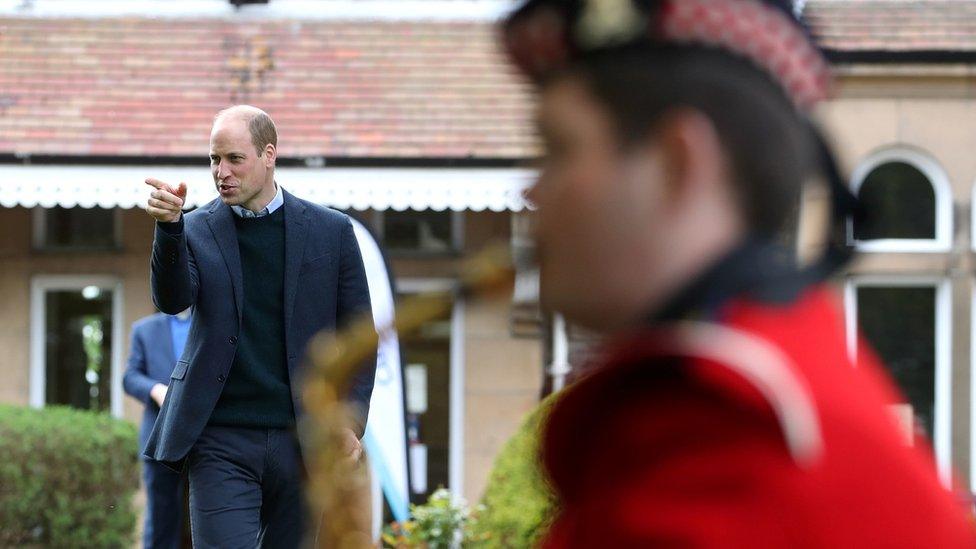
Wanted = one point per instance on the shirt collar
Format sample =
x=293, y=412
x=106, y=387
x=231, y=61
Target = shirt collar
x=275, y=203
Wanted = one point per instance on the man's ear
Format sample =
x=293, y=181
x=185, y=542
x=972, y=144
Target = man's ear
x=690, y=150
x=270, y=155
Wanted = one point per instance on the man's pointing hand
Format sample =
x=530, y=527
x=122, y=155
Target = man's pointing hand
x=165, y=202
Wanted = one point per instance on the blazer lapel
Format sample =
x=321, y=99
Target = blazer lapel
x=221, y=222
x=296, y=228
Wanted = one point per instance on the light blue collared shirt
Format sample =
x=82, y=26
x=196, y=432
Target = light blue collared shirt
x=180, y=330
x=275, y=203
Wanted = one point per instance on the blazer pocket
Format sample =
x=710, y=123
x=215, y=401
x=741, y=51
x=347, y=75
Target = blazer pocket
x=316, y=264
x=180, y=371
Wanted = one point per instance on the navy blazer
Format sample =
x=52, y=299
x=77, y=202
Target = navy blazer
x=325, y=286
x=151, y=361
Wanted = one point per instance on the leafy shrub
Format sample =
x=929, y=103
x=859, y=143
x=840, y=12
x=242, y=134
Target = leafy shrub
x=515, y=511
x=67, y=478
x=518, y=504
x=438, y=524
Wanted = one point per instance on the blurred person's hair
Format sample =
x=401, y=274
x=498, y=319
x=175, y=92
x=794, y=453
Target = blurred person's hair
x=769, y=144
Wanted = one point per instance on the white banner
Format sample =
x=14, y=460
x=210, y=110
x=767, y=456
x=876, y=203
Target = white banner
x=386, y=437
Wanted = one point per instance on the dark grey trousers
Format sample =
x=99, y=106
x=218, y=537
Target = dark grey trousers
x=163, y=527
x=246, y=489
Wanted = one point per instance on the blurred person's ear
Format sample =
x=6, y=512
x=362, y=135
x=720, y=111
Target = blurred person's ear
x=691, y=152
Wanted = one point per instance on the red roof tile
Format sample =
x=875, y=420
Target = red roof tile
x=894, y=25
x=140, y=86
x=151, y=87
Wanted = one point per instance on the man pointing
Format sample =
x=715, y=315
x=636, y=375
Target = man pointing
x=264, y=272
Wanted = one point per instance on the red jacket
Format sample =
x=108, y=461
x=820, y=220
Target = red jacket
x=755, y=431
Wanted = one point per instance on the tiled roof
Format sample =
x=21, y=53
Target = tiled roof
x=129, y=86
x=894, y=25
x=149, y=87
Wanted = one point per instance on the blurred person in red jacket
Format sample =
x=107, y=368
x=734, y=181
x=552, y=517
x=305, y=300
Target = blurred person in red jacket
x=724, y=410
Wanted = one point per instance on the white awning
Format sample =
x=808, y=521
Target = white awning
x=398, y=189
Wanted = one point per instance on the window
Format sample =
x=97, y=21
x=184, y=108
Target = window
x=76, y=347
x=904, y=201
x=908, y=204
x=425, y=232
x=76, y=229
x=908, y=324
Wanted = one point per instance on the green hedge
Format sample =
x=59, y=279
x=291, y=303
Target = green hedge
x=67, y=478
x=518, y=503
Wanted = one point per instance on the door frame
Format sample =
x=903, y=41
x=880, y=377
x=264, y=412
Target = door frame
x=456, y=387
x=40, y=285
x=942, y=422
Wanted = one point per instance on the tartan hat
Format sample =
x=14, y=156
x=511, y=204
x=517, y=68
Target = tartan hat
x=543, y=36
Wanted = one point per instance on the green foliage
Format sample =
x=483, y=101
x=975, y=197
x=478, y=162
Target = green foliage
x=518, y=502
x=438, y=524
x=67, y=478
x=515, y=511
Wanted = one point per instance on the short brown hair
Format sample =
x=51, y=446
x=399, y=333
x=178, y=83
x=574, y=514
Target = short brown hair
x=263, y=131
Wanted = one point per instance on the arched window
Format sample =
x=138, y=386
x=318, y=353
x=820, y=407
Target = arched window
x=907, y=201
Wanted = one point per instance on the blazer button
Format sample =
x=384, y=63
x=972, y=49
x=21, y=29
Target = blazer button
x=232, y=340
x=221, y=378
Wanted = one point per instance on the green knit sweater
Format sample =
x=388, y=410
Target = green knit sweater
x=257, y=393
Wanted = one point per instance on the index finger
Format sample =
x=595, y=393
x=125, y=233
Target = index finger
x=153, y=182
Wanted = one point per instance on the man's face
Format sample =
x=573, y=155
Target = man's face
x=241, y=174
x=598, y=216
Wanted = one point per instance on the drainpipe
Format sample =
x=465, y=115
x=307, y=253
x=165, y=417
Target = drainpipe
x=560, y=367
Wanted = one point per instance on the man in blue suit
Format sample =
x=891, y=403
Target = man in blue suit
x=264, y=272
x=157, y=340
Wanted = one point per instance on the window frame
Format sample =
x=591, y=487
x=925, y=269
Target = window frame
x=39, y=233
x=942, y=420
x=457, y=234
x=40, y=285
x=941, y=186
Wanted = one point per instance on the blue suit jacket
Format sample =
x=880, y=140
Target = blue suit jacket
x=151, y=361
x=324, y=286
